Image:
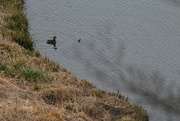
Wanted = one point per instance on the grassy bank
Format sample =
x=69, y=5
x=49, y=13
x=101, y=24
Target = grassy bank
x=34, y=88
x=17, y=26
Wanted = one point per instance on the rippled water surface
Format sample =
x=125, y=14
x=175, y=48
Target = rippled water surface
x=131, y=46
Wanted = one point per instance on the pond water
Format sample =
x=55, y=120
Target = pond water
x=131, y=46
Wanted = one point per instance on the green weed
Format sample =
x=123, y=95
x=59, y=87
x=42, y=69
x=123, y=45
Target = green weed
x=32, y=74
x=24, y=73
x=17, y=26
x=19, y=30
x=3, y=67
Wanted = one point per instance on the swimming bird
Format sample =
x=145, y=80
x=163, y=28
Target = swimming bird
x=79, y=40
x=52, y=42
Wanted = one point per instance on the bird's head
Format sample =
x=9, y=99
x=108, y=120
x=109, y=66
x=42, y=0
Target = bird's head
x=54, y=37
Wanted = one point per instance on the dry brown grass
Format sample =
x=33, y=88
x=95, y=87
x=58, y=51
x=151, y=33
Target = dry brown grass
x=34, y=88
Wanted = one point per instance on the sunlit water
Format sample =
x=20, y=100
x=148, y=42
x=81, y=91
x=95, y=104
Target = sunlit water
x=131, y=46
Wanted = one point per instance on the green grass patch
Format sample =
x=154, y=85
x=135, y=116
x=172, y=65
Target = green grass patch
x=27, y=74
x=3, y=67
x=19, y=30
x=17, y=26
x=15, y=4
x=32, y=74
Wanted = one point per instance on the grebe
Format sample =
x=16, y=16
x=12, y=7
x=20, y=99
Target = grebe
x=52, y=42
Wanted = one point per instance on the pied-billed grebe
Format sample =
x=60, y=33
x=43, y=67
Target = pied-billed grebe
x=52, y=42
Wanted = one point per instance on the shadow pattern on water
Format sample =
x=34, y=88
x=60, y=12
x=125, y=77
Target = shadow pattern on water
x=174, y=2
x=151, y=86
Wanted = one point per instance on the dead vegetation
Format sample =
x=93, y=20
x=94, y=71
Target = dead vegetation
x=34, y=88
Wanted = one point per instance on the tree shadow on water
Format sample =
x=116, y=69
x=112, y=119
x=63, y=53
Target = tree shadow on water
x=154, y=88
x=105, y=64
x=174, y=2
